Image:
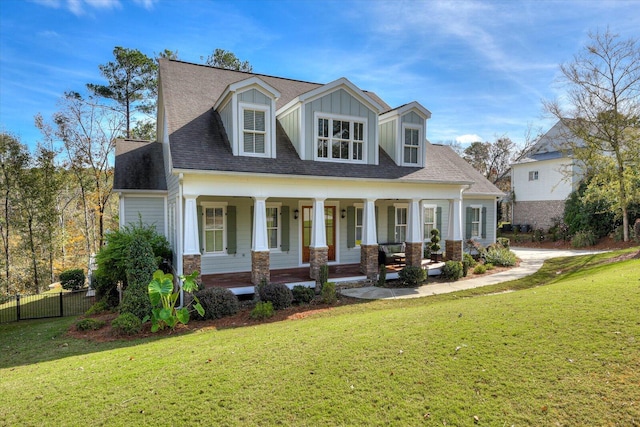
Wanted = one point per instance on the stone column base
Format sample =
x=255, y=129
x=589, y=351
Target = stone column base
x=260, y=267
x=317, y=258
x=191, y=263
x=453, y=249
x=413, y=254
x=369, y=261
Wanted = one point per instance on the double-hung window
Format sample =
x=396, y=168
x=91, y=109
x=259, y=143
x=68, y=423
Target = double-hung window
x=411, y=145
x=254, y=130
x=214, y=228
x=429, y=221
x=359, y=224
x=273, y=226
x=340, y=138
x=476, y=221
x=533, y=175
x=401, y=224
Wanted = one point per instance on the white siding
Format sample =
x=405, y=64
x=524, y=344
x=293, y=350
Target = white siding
x=291, y=125
x=388, y=135
x=254, y=96
x=150, y=209
x=552, y=182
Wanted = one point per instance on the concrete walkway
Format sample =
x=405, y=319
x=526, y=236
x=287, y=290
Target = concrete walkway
x=532, y=260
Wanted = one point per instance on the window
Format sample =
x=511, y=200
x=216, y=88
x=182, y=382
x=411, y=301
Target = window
x=213, y=228
x=401, y=224
x=411, y=147
x=429, y=221
x=254, y=130
x=358, y=224
x=273, y=226
x=533, y=175
x=476, y=220
x=340, y=138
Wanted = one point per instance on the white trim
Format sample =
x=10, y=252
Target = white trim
x=400, y=111
x=426, y=206
x=395, y=221
x=419, y=147
x=213, y=205
x=269, y=135
x=355, y=224
x=317, y=115
x=341, y=83
x=278, y=206
x=479, y=235
x=246, y=84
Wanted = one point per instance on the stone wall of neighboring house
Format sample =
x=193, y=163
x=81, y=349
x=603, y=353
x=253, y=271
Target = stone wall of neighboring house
x=537, y=214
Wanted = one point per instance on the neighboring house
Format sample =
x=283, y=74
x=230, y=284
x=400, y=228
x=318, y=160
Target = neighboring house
x=254, y=173
x=544, y=179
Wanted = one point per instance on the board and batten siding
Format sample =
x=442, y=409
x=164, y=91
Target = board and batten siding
x=227, y=119
x=254, y=96
x=412, y=117
x=339, y=102
x=388, y=138
x=151, y=210
x=291, y=125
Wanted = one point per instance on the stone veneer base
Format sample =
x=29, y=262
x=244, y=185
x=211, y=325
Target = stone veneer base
x=369, y=261
x=413, y=254
x=317, y=258
x=260, y=267
x=453, y=249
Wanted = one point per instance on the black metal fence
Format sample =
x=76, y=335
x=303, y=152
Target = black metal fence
x=22, y=307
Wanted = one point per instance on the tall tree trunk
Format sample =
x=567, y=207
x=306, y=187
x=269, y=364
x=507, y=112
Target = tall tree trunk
x=5, y=241
x=34, y=260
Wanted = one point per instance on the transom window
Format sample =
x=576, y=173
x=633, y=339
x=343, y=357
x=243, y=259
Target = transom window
x=214, y=224
x=411, y=145
x=340, y=139
x=401, y=224
x=429, y=221
x=273, y=226
x=476, y=218
x=533, y=175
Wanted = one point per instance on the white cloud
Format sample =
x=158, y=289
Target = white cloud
x=147, y=4
x=78, y=7
x=468, y=138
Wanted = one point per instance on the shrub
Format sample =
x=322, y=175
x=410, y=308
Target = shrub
x=135, y=300
x=382, y=276
x=489, y=266
x=323, y=274
x=329, y=293
x=452, y=270
x=537, y=236
x=126, y=324
x=583, y=239
x=467, y=262
x=89, y=324
x=480, y=269
x=218, y=302
x=278, y=293
x=435, y=241
x=106, y=291
x=141, y=262
x=262, y=310
x=164, y=297
x=412, y=276
x=504, y=242
x=500, y=256
x=97, y=308
x=72, y=279
x=303, y=294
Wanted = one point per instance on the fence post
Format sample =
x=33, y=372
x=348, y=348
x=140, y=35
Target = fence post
x=18, y=307
x=61, y=309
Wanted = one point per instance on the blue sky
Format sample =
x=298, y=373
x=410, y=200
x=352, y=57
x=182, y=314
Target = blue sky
x=481, y=68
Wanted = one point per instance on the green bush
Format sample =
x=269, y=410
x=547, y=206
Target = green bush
x=452, y=270
x=497, y=255
x=537, y=236
x=278, y=293
x=141, y=262
x=489, y=266
x=328, y=293
x=504, y=242
x=589, y=212
x=480, y=269
x=412, y=276
x=262, y=310
x=89, y=324
x=584, y=238
x=72, y=279
x=218, y=302
x=467, y=262
x=323, y=274
x=135, y=300
x=97, y=308
x=126, y=324
x=106, y=291
x=303, y=294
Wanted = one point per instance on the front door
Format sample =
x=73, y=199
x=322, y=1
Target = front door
x=330, y=226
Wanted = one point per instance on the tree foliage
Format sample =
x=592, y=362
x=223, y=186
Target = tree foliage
x=601, y=108
x=226, y=59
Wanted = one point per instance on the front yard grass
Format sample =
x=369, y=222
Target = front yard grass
x=567, y=353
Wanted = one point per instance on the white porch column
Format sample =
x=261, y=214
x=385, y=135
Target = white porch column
x=369, y=234
x=191, y=239
x=413, y=222
x=318, y=229
x=455, y=219
x=260, y=239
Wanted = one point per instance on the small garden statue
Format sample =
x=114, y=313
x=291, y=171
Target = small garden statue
x=435, y=244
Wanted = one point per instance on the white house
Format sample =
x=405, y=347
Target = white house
x=542, y=180
x=255, y=175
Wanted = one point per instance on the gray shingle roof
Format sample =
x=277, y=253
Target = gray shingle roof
x=198, y=140
x=139, y=165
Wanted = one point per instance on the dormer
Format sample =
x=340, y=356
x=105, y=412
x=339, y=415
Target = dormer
x=336, y=122
x=248, y=112
x=403, y=133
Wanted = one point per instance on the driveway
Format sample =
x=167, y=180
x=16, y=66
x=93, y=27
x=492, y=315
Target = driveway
x=531, y=261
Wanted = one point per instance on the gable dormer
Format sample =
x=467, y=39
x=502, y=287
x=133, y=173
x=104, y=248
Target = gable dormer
x=248, y=112
x=403, y=133
x=336, y=122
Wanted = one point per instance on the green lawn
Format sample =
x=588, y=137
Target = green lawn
x=566, y=353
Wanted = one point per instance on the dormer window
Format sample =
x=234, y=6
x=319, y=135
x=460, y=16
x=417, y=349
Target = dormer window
x=254, y=130
x=411, y=145
x=340, y=138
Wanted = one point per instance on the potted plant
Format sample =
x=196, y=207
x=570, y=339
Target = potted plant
x=435, y=244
